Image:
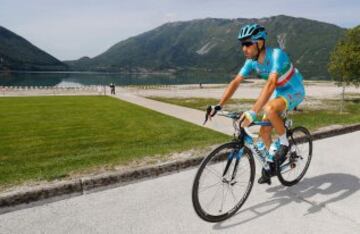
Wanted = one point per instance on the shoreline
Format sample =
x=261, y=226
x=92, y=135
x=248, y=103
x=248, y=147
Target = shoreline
x=85, y=72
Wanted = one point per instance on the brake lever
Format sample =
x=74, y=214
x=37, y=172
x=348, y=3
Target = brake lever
x=208, y=111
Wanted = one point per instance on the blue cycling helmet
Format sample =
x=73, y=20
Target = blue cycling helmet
x=253, y=31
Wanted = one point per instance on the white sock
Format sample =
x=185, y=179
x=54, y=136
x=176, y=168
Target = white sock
x=283, y=140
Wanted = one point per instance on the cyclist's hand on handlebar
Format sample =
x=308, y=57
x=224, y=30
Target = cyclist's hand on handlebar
x=211, y=111
x=245, y=123
x=247, y=118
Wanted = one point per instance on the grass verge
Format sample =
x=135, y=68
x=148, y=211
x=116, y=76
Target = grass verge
x=46, y=138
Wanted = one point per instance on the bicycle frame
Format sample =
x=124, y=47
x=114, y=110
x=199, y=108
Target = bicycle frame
x=245, y=138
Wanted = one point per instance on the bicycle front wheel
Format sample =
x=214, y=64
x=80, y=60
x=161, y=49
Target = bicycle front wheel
x=223, y=182
x=292, y=170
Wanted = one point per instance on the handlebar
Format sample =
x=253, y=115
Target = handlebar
x=235, y=116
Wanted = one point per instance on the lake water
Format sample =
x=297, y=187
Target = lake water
x=73, y=79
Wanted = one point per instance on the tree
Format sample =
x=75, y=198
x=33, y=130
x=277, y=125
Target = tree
x=344, y=65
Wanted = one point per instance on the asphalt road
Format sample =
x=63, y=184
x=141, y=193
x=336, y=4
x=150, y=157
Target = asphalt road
x=327, y=200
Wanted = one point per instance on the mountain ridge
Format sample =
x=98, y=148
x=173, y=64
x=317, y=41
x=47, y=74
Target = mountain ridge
x=17, y=53
x=211, y=44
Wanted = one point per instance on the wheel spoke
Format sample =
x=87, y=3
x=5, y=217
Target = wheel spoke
x=224, y=198
x=232, y=193
x=202, y=189
x=213, y=198
x=214, y=172
x=242, y=184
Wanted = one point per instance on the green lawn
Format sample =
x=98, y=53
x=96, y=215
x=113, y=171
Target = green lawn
x=312, y=118
x=44, y=138
x=316, y=118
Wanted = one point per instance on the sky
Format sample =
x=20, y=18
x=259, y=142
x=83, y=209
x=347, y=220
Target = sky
x=70, y=29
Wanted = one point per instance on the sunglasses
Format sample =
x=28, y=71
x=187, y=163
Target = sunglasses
x=247, y=43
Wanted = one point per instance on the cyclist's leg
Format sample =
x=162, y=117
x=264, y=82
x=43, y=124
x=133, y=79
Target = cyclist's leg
x=272, y=107
x=286, y=99
x=265, y=133
x=272, y=110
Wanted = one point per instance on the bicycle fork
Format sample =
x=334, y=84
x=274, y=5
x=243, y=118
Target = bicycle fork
x=238, y=153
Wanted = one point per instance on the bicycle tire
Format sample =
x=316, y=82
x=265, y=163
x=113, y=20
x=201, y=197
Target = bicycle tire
x=292, y=156
x=203, y=214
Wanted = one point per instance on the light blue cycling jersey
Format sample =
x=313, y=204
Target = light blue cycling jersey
x=289, y=85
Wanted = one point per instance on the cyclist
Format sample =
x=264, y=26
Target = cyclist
x=284, y=89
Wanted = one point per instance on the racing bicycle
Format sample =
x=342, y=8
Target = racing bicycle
x=226, y=176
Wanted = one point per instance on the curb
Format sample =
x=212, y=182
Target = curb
x=9, y=200
x=334, y=132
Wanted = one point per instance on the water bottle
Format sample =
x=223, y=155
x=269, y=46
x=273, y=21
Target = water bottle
x=272, y=150
x=262, y=149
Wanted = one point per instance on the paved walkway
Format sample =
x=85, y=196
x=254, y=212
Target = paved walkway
x=218, y=123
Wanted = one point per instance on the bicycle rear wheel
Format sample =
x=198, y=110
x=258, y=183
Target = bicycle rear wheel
x=292, y=170
x=223, y=182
